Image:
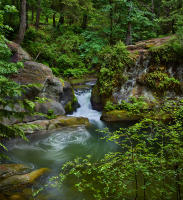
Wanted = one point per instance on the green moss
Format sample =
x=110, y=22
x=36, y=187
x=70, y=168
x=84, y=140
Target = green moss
x=70, y=107
x=113, y=60
x=160, y=82
x=126, y=116
x=169, y=52
x=120, y=115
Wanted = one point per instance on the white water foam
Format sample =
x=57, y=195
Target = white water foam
x=86, y=110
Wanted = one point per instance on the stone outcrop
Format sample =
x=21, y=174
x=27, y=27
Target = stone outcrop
x=59, y=94
x=15, y=177
x=18, y=53
x=7, y=170
x=125, y=117
x=143, y=81
x=119, y=116
x=58, y=123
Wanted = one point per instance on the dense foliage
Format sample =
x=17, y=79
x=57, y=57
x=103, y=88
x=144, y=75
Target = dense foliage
x=69, y=35
x=76, y=37
x=10, y=91
x=148, y=166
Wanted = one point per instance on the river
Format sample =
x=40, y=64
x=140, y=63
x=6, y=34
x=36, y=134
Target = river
x=53, y=149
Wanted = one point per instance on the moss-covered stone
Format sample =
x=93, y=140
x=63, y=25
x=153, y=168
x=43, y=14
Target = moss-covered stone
x=98, y=101
x=7, y=170
x=20, y=181
x=63, y=121
x=71, y=105
x=57, y=123
x=81, y=81
x=125, y=116
x=160, y=82
x=120, y=115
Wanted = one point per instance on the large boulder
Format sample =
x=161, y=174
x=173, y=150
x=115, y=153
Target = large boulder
x=18, y=53
x=7, y=170
x=60, y=94
x=68, y=98
x=21, y=181
x=120, y=116
x=56, y=124
x=53, y=89
x=51, y=106
x=33, y=73
x=98, y=101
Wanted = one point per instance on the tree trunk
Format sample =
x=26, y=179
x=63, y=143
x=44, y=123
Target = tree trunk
x=54, y=22
x=85, y=21
x=153, y=6
x=32, y=14
x=46, y=19
x=38, y=14
x=111, y=23
x=129, y=32
x=22, y=27
x=61, y=20
x=27, y=16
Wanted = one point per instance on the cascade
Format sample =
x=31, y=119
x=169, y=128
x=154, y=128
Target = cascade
x=53, y=149
x=85, y=109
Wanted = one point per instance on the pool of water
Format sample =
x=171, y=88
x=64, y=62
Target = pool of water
x=53, y=149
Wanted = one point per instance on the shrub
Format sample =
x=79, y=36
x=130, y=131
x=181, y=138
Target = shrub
x=113, y=61
x=160, y=82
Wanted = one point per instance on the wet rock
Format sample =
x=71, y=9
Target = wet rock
x=63, y=121
x=99, y=101
x=58, y=123
x=20, y=181
x=96, y=99
x=53, y=89
x=51, y=106
x=7, y=170
x=120, y=116
x=18, y=53
x=32, y=73
x=68, y=99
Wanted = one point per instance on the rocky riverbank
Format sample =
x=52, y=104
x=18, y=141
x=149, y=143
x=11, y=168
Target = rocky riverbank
x=155, y=76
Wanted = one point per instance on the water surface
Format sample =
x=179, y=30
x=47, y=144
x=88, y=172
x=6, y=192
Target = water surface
x=55, y=148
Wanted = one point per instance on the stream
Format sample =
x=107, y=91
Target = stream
x=53, y=149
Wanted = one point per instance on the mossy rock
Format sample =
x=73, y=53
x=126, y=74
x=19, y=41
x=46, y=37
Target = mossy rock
x=71, y=105
x=7, y=170
x=125, y=116
x=12, y=183
x=120, y=116
x=64, y=121
x=99, y=101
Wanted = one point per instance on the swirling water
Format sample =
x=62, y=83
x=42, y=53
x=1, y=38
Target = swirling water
x=53, y=149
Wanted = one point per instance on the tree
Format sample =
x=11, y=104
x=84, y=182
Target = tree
x=38, y=13
x=10, y=91
x=23, y=21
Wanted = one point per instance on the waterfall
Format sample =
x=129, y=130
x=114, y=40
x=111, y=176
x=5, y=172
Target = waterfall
x=85, y=109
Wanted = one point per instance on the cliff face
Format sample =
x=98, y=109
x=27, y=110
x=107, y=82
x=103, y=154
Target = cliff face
x=157, y=74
